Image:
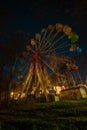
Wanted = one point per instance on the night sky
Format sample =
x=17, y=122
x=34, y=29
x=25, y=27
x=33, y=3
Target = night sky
x=30, y=16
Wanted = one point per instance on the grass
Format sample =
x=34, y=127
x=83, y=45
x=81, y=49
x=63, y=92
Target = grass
x=62, y=115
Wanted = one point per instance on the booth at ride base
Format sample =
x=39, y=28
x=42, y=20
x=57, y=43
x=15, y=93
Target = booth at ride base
x=73, y=93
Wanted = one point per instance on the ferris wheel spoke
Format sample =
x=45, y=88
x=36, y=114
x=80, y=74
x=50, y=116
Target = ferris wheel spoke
x=63, y=45
x=63, y=52
x=49, y=38
x=50, y=32
x=51, y=45
x=44, y=36
x=49, y=66
x=56, y=41
x=54, y=49
x=48, y=42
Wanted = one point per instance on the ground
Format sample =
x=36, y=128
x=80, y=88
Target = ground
x=61, y=115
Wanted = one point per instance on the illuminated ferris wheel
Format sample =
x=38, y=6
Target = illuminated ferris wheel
x=36, y=62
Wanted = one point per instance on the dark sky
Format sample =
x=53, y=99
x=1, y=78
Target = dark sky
x=32, y=15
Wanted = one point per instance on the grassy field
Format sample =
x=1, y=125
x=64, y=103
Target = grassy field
x=62, y=115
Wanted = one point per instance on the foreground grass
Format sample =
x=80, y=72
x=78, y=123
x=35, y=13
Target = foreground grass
x=62, y=115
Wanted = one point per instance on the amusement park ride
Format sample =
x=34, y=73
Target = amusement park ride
x=31, y=78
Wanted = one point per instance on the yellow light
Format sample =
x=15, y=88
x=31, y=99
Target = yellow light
x=12, y=94
x=23, y=95
x=57, y=89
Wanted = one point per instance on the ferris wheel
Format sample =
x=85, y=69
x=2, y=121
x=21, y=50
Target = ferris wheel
x=34, y=64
